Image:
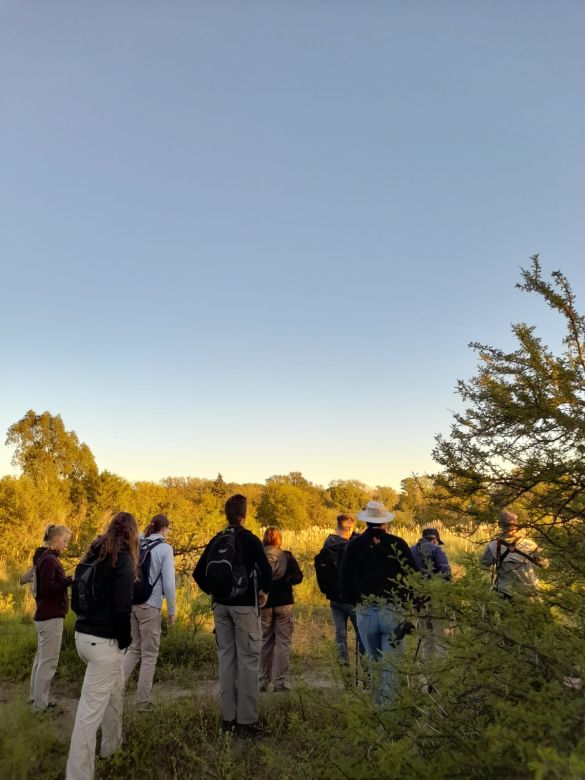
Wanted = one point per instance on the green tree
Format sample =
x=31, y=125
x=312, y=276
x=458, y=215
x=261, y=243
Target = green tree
x=348, y=495
x=520, y=440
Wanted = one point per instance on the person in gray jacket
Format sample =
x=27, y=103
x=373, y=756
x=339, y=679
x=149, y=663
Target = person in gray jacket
x=146, y=618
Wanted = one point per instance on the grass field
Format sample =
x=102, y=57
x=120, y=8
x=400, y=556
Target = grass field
x=180, y=737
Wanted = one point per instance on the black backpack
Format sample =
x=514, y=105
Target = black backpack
x=142, y=590
x=328, y=570
x=226, y=576
x=84, y=596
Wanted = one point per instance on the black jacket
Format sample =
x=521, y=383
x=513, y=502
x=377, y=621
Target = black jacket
x=113, y=586
x=374, y=564
x=281, y=591
x=251, y=555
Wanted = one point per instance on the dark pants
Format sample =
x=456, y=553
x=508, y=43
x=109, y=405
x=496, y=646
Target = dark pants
x=341, y=612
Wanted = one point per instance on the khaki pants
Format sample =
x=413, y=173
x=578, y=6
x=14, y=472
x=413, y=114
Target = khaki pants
x=277, y=630
x=239, y=641
x=49, y=635
x=144, y=648
x=100, y=704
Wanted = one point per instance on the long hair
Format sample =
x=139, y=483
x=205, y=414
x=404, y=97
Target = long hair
x=272, y=537
x=120, y=536
x=157, y=523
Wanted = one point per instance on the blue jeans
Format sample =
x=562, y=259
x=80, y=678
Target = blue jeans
x=341, y=612
x=376, y=625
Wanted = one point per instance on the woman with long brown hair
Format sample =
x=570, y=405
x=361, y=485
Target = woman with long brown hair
x=102, y=600
x=146, y=611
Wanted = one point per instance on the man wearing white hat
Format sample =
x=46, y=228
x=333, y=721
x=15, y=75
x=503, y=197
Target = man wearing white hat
x=372, y=576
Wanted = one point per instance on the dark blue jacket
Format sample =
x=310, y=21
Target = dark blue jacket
x=431, y=559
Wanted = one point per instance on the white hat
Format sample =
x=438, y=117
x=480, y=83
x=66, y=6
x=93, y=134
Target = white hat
x=375, y=513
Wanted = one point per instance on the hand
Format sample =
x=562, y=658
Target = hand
x=262, y=598
x=172, y=620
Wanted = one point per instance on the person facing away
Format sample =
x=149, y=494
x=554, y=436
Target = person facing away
x=432, y=562
x=372, y=576
x=236, y=611
x=146, y=617
x=52, y=604
x=514, y=558
x=277, y=615
x=102, y=634
x=328, y=570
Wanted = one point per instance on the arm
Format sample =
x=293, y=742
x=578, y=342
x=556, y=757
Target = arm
x=168, y=581
x=348, y=593
x=123, y=581
x=51, y=577
x=199, y=572
x=442, y=564
x=293, y=570
x=264, y=568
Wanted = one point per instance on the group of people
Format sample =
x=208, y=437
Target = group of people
x=119, y=587
x=118, y=623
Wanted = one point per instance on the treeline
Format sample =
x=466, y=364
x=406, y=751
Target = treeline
x=61, y=483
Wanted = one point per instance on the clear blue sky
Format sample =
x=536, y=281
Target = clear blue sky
x=255, y=237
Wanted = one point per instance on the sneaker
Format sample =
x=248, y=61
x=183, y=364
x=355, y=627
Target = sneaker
x=282, y=688
x=248, y=730
x=143, y=706
x=52, y=709
x=228, y=726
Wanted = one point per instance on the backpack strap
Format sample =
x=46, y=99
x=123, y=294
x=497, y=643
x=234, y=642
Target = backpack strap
x=149, y=546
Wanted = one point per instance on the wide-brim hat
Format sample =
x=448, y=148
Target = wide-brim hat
x=375, y=512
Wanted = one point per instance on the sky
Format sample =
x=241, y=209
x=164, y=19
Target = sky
x=257, y=237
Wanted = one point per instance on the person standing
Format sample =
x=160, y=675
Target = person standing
x=146, y=616
x=277, y=615
x=514, y=559
x=374, y=566
x=432, y=562
x=328, y=570
x=102, y=600
x=52, y=603
x=233, y=569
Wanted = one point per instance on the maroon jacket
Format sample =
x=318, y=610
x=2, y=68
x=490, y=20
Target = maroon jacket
x=52, y=599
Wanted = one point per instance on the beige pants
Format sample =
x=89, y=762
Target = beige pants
x=239, y=641
x=100, y=704
x=144, y=648
x=277, y=630
x=49, y=635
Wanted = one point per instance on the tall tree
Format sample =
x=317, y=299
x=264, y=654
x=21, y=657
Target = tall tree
x=520, y=440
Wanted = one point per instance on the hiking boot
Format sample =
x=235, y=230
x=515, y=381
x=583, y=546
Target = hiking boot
x=248, y=730
x=282, y=688
x=228, y=726
x=52, y=709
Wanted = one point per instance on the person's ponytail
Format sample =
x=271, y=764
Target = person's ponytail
x=156, y=525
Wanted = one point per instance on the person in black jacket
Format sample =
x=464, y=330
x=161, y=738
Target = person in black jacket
x=237, y=620
x=277, y=616
x=328, y=569
x=373, y=572
x=101, y=638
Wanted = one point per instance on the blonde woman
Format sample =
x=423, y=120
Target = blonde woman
x=50, y=592
x=278, y=613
